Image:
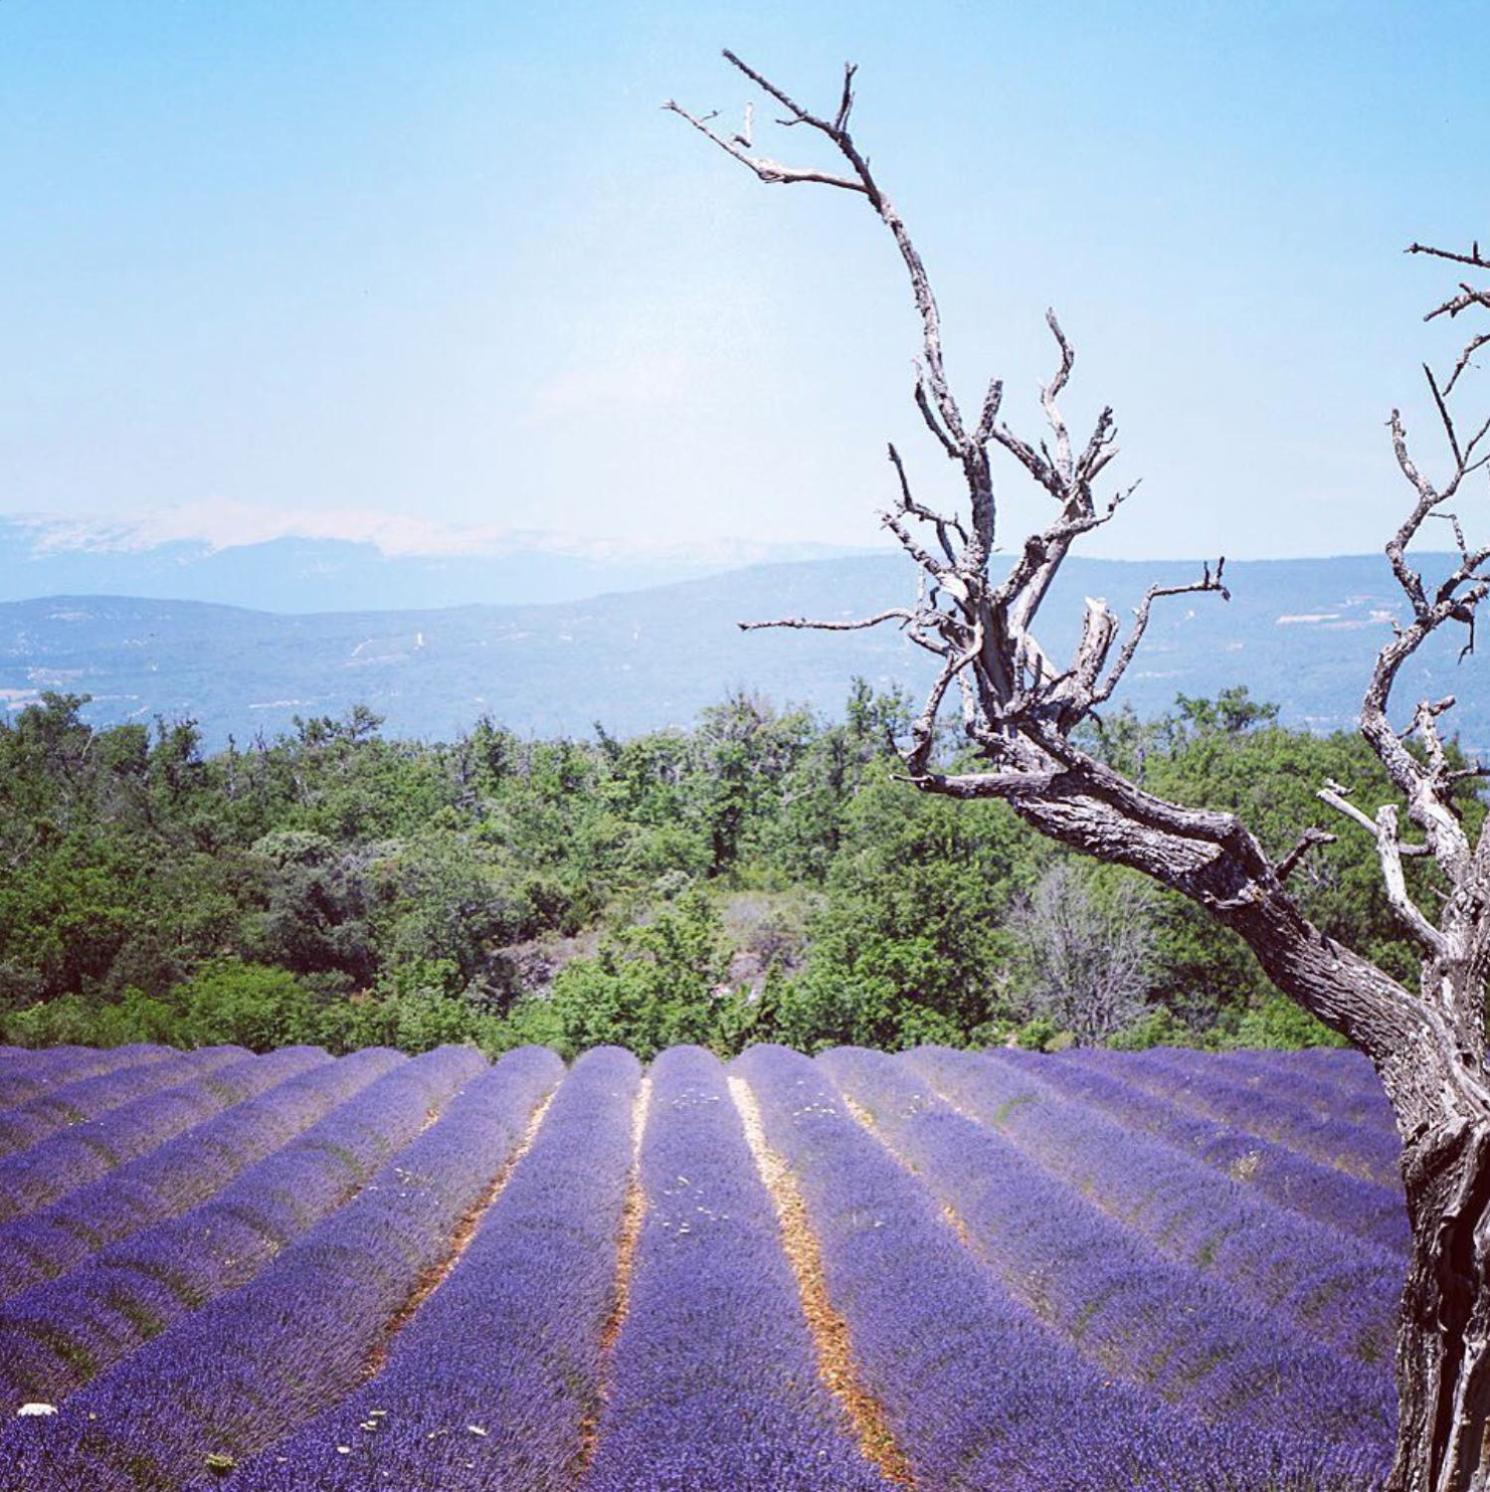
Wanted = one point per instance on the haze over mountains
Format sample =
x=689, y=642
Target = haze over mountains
x=400, y=564
x=1298, y=632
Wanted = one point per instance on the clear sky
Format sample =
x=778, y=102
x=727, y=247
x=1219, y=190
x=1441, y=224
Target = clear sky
x=449, y=261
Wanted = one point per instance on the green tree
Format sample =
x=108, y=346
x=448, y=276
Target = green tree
x=650, y=985
x=912, y=944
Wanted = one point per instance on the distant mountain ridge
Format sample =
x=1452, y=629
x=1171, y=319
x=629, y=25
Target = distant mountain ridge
x=42, y=557
x=1298, y=632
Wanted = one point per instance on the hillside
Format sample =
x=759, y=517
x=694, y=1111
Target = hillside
x=697, y=1276
x=1300, y=632
x=302, y=573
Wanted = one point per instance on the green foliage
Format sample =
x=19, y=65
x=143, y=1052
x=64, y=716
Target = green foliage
x=1231, y=754
x=246, y=1004
x=910, y=946
x=1157, y=1027
x=260, y=1008
x=1040, y=1034
x=75, y=1020
x=650, y=986
x=335, y=887
x=1276, y=1021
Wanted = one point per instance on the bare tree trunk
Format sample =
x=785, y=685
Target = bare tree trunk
x=1443, y=1351
x=1019, y=707
x=1425, y=1048
x=1084, y=955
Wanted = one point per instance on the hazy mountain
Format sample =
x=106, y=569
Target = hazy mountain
x=47, y=557
x=1300, y=632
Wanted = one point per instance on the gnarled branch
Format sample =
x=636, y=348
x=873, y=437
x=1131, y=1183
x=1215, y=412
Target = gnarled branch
x=1019, y=707
x=1018, y=711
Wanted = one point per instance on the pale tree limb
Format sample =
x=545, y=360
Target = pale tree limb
x=895, y=613
x=1390, y=849
x=1310, y=839
x=1207, y=582
x=1018, y=709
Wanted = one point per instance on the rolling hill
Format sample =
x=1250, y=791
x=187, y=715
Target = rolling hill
x=300, y=573
x=1300, y=632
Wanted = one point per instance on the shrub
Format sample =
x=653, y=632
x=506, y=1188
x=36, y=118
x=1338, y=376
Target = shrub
x=1156, y=1027
x=1042, y=1035
x=1275, y=1021
x=649, y=987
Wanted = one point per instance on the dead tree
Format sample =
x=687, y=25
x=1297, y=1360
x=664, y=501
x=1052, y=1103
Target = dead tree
x=1018, y=708
x=1086, y=955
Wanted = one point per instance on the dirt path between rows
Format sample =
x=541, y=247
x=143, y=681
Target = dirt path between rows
x=830, y=1333
x=633, y=1210
x=460, y=1240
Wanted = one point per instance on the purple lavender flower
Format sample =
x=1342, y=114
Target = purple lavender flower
x=496, y=1381
x=303, y=1331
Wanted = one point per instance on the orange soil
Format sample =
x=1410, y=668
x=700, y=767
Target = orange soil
x=460, y=1241
x=633, y=1209
x=830, y=1331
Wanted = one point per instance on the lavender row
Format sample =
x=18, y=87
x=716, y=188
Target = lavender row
x=58, y=1336
x=1332, y=1091
x=90, y=1097
x=1329, y=1091
x=51, y=1168
x=1342, y=1065
x=716, y=1382
x=1359, y=1150
x=976, y=1391
x=1134, y=1311
x=181, y=1173
x=19, y=1059
x=496, y=1380
x=253, y=1365
x=1309, y=1187
x=34, y=1073
x=1346, y=1290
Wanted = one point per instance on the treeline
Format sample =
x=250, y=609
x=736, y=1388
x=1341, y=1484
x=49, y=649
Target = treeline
x=762, y=876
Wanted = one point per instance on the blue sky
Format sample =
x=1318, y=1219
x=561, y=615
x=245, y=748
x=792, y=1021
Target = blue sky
x=438, y=266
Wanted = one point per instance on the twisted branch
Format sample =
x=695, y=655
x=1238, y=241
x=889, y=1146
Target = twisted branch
x=1019, y=707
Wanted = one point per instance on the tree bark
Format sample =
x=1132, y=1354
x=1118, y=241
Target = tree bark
x=1019, y=708
x=1443, y=1350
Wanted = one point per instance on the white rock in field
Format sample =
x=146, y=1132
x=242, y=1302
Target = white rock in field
x=34, y=1409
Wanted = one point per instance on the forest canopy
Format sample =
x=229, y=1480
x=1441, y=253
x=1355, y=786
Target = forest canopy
x=764, y=875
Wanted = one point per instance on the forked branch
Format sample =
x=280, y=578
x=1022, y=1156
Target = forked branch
x=981, y=627
x=1018, y=712
x=1427, y=778
x=1019, y=705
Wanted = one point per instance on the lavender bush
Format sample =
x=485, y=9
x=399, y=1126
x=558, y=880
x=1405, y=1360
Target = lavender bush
x=496, y=1381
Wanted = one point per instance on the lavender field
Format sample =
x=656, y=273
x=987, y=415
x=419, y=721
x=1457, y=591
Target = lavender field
x=937, y=1270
